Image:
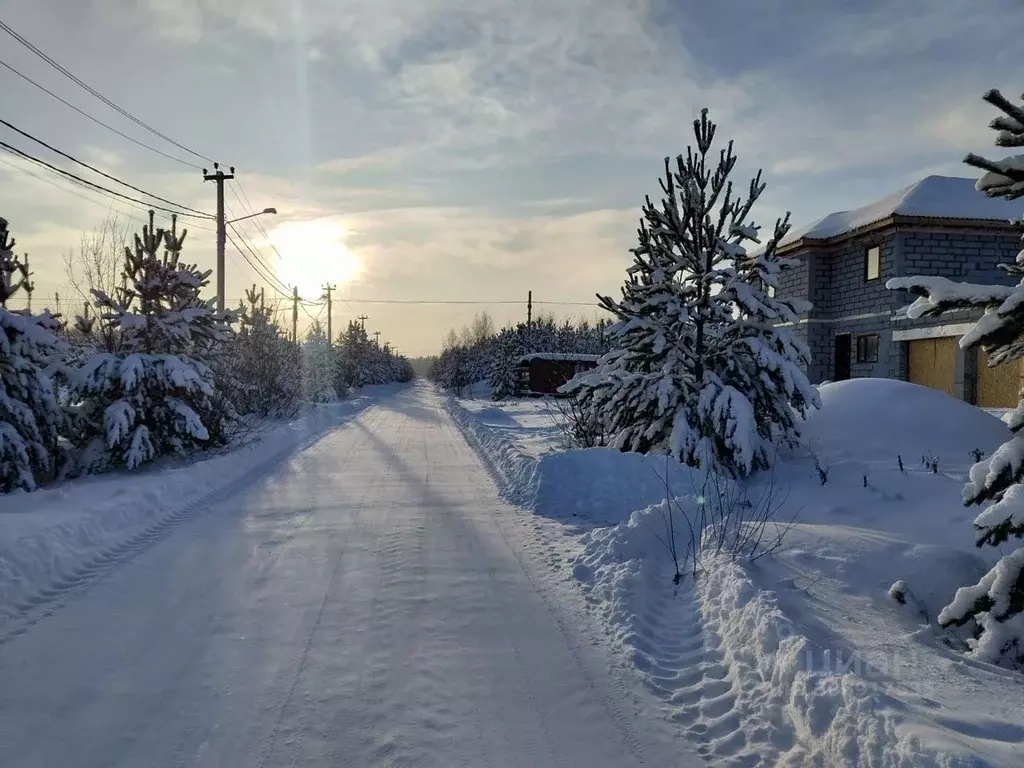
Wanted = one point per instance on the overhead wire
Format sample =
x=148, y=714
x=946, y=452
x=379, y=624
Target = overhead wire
x=109, y=191
x=104, y=174
x=78, y=81
x=55, y=185
x=274, y=281
x=96, y=120
x=271, y=282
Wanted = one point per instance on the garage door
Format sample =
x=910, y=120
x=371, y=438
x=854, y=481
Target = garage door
x=931, y=363
x=998, y=387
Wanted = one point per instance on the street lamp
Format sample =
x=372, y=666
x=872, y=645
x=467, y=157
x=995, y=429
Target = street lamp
x=251, y=215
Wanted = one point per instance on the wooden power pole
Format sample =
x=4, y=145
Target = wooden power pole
x=529, y=308
x=327, y=295
x=362, y=319
x=295, y=314
x=376, y=338
x=220, y=177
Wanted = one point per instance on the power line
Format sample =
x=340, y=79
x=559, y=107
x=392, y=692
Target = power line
x=80, y=180
x=256, y=256
x=270, y=281
x=444, y=302
x=87, y=198
x=101, y=173
x=96, y=120
x=247, y=208
x=54, y=184
x=70, y=75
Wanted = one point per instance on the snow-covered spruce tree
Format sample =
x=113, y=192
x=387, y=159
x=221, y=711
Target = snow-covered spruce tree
x=507, y=350
x=265, y=364
x=30, y=416
x=319, y=367
x=994, y=607
x=153, y=396
x=699, y=367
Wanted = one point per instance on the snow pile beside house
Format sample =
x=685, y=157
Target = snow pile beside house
x=872, y=421
x=54, y=539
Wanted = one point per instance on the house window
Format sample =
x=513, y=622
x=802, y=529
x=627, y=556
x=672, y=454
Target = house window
x=867, y=348
x=873, y=263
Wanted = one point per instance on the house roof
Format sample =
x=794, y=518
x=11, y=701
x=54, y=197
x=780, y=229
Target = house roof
x=560, y=357
x=938, y=197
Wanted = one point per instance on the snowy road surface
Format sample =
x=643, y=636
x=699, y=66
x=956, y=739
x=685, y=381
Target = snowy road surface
x=364, y=605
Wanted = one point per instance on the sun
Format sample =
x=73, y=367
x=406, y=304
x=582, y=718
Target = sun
x=313, y=254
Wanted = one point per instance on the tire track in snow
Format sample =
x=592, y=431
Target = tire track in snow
x=75, y=583
x=630, y=740
x=680, y=661
x=293, y=673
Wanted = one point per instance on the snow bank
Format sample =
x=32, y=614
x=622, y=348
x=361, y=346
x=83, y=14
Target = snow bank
x=873, y=421
x=732, y=669
x=55, y=539
x=599, y=485
x=513, y=470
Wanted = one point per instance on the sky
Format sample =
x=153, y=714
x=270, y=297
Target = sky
x=475, y=150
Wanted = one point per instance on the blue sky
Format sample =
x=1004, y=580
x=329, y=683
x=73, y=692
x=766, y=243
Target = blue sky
x=477, y=149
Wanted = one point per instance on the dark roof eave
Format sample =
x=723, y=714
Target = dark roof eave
x=898, y=219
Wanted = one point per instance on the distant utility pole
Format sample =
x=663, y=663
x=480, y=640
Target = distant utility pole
x=362, y=319
x=376, y=338
x=327, y=295
x=529, y=308
x=220, y=177
x=295, y=314
x=29, y=286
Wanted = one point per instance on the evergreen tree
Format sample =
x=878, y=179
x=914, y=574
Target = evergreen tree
x=30, y=416
x=263, y=362
x=153, y=396
x=507, y=351
x=699, y=368
x=319, y=367
x=994, y=607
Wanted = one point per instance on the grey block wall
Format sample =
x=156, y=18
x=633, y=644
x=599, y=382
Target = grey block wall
x=833, y=280
x=968, y=255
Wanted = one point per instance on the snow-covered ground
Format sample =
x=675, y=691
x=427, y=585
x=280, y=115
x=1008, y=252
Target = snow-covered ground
x=367, y=601
x=801, y=658
x=57, y=537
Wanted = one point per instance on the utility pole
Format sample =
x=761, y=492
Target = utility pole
x=295, y=314
x=220, y=177
x=362, y=319
x=28, y=285
x=327, y=295
x=263, y=306
x=376, y=338
x=529, y=308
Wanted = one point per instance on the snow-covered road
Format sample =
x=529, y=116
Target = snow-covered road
x=364, y=605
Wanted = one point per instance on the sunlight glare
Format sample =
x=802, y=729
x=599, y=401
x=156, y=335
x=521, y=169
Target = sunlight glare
x=313, y=253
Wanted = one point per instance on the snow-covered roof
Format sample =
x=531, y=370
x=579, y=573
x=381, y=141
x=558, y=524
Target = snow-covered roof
x=944, y=197
x=560, y=356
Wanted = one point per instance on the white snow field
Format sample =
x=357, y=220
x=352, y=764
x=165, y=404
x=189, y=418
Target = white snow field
x=801, y=658
x=366, y=600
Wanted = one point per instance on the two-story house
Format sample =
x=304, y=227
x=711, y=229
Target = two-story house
x=938, y=226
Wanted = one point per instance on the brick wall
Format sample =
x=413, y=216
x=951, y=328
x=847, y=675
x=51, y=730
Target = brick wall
x=833, y=280
x=968, y=255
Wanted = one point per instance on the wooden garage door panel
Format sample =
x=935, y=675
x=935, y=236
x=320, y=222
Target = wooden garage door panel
x=931, y=363
x=998, y=387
